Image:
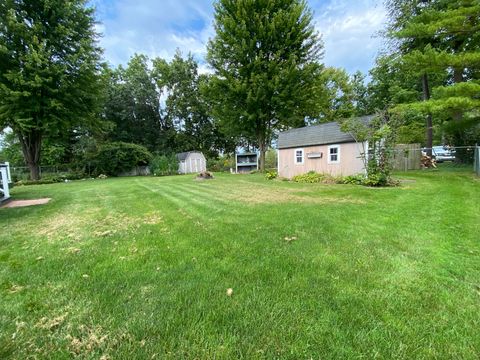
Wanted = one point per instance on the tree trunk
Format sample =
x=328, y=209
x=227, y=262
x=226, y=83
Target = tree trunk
x=262, y=148
x=31, y=144
x=457, y=78
x=429, y=126
x=458, y=136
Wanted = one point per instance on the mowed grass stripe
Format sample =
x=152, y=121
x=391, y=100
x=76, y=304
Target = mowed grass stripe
x=362, y=279
x=174, y=197
x=191, y=201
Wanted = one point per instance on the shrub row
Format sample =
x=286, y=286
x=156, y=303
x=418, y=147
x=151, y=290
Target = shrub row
x=313, y=177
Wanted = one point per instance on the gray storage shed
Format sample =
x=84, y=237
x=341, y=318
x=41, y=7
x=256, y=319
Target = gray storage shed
x=191, y=162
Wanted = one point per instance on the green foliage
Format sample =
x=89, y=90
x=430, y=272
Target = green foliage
x=181, y=123
x=380, y=133
x=10, y=149
x=187, y=104
x=132, y=105
x=354, y=179
x=221, y=164
x=265, y=55
x=412, y=132
x=341, y=95
x=311, y=177
x=162, y=165
x=271, y=160
x=49, y=70
x=115, y=158
x=441, y=37
x=376, y=178
x=270, y=175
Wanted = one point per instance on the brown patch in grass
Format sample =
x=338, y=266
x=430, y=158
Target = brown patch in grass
x=62, y=225
x=89, y=340
x=15, y=288
x=50, y=324
x=256, y=195
x=152, y=219
x=79, y=223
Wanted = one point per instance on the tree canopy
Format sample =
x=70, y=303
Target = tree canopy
x=49, y=70
x=265, y=55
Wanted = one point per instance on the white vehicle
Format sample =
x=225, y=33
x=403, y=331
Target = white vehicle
x=443, y=153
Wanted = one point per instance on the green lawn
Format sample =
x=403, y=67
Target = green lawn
x=139, y=268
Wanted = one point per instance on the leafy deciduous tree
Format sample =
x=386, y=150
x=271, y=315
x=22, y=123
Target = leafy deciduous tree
x=265, y=55
x=49, y=70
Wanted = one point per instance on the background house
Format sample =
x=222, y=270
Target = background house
x=191, y=162
x=323, y=148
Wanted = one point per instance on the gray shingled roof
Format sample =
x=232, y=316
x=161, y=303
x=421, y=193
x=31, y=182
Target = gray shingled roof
x=328, y=133
x=183, y=155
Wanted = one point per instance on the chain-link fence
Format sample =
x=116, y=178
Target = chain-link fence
x=21, y=173
x=412, y=157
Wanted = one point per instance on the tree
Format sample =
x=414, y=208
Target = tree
x=336, y=95
x=265, y=55
x=133, y=106
x=379, y=134
x=360, y=95
x=446, y=38
x=49, y=70
x=187, y=106
x=10, y=149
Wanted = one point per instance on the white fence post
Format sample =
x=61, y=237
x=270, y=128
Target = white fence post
x=9, y=175
x=4, y=176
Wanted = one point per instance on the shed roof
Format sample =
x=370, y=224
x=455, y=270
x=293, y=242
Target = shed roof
x=183, y=155
x=328, y=133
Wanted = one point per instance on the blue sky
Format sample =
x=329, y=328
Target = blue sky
x=349, y=29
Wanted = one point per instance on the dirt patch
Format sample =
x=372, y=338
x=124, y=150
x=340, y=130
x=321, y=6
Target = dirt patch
x=23, y=203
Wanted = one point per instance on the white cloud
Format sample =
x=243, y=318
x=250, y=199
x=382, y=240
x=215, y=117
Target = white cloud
x=158, y=28
x=154, y=28
x=350, y=33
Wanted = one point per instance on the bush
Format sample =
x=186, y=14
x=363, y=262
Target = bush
x=376, y=179
x=115, y=158
x=162, y=165
x=270, y=175
x=37, y=182
x=353, y=179
x=222, y=164
x=311, y=177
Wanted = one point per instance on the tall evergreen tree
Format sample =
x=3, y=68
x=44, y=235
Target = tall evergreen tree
x=447, y=35
x=265, y=55
x=49, y=70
